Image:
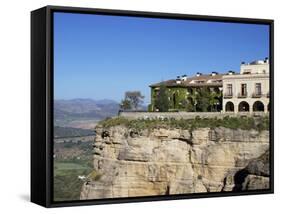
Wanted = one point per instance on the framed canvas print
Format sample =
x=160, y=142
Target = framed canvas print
x=134, y=106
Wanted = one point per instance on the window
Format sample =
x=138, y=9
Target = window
x=229, y=89
x=258, y=89
x=247, y=71
x=244, y=89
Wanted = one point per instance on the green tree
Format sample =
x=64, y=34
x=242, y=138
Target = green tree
x=188, y=106
x=132, y=100
x=213, y=100
x=207, y=100
x=125, y=104
x=191, y=102
x=203, y=99
x=162, y=99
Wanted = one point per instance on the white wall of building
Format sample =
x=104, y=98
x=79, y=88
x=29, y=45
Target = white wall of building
x=255, y=69
x=259, y=74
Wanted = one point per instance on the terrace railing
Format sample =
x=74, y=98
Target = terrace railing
x=242, y=95
x=257, y=95
x=227, y=95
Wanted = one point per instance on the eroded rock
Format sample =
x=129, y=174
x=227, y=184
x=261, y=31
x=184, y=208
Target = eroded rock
x=175, y=161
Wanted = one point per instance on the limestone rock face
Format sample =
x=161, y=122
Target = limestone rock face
x=175, y=161
x=255, y=175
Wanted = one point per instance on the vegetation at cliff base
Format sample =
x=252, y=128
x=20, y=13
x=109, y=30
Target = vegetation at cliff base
x=72, y=162
x=244, y=123
x=67, y=186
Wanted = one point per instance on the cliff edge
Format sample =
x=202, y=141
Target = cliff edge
x=164, y=161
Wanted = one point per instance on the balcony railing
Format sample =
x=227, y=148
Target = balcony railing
x=256, y=95
x=245, y=95
x=242, y=95
x=228, y=95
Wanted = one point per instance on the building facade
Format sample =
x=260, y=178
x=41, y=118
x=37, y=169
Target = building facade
x=181, y=90
x=247, y=91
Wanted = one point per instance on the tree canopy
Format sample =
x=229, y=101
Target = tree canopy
x=206, y=100
x=132, y=100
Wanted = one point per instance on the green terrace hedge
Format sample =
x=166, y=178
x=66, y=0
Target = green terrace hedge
x=244, y=123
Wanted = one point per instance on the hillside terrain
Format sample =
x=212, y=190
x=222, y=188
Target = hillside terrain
x=65, y=132
x=83, y=113
x=72, y=158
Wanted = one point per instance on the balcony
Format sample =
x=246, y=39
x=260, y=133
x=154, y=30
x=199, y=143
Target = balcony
x=227, y=95
x=242, y=95
x=256, y=95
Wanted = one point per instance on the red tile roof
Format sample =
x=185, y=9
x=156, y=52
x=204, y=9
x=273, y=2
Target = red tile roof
x=195, y=81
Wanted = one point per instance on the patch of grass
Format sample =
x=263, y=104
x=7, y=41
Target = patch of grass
x=73, y=159
x=68, y=166
x=61, y=168
x=67, y=186
x=109, y=122
x=245, y=123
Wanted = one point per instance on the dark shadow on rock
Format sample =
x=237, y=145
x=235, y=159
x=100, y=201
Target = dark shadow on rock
x=239, y=179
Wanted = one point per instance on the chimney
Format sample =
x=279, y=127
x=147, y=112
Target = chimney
x=178, y=80
x=184, y=77
x=214, y=73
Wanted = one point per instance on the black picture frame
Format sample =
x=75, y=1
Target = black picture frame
x=42, y=103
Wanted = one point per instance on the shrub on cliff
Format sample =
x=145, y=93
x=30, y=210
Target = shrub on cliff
x=94, y=176
x=245, y=123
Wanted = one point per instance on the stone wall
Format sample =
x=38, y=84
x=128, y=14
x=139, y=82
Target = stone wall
x=185, y=115
x=161, y=161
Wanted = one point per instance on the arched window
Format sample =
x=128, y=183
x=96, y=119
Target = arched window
x=258, y=106
x=229, y=106
x=243, y=106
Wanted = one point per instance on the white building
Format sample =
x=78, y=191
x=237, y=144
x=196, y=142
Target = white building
x=247, y=91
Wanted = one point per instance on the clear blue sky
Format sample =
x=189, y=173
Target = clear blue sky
x=101, y=57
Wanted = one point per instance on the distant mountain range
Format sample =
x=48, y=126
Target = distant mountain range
x=84, y=109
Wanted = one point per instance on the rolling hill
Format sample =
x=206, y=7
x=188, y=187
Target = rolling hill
x=66, y=111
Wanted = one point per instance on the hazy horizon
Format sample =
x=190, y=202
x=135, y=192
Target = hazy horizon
x=86, y=98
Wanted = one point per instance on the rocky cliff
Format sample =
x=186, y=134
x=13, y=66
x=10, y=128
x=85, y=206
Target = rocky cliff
x=163, y=161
